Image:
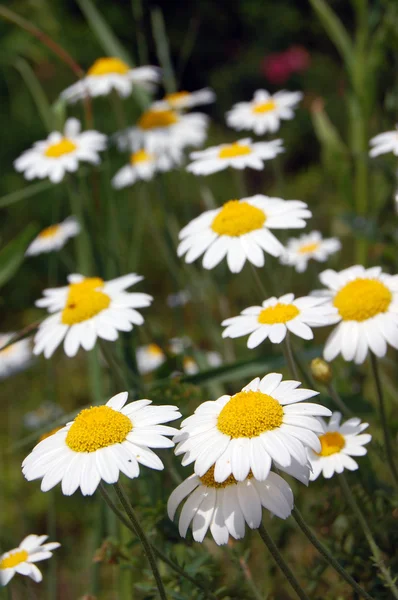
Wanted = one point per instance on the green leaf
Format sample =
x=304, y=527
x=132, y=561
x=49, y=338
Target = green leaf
x=163, y=50
x=26, y=192
x=12, y=255
x=38, y=95
x=325, y=131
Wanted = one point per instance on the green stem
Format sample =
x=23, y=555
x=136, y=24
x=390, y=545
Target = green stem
x=82, y=241
x=259, y=283
x=114, y=366
x=338, y=400
x=289, y=358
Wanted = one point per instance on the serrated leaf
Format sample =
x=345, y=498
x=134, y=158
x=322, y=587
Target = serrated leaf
x=12, y=255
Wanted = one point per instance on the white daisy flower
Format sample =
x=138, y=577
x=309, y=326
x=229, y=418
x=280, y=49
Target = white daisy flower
x=384, y=143
x=264, y=112
x=143, y=166
x=239, y=155
x=277, y=316
x=22, y=560
x=339, y=444
x=101, y=442
x=149, y=358
x=184, y=100
x=85, y=309
x=61, y=153
x=240, y=230
x=226, y=507
x=266, y=422
x=308, y=246
x=211, y=358
x=14, y=358
x=54, y=237
x=108, y=74
x=367, y=312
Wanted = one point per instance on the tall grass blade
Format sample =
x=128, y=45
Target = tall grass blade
x=37, y=93
x=163, y=50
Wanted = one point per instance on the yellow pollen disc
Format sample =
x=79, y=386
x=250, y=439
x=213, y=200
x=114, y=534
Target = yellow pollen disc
x=331, y=442
x=152, y=119
x=97, y=427
x=49, y=232
x=84, y=301
x=264, y=107
x=249, y=414
x=13, y=559
x=208, y=479
x=177, y=98
x=362, y=299
x=234, y=150
x=49, y=434
x=60, y=148
x=280, y=313
x=237, y=218
x=308, y=248
x=155, y=350
x=107, y=66
x=139, y=157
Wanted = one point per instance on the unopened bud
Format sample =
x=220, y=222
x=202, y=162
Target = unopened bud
x=321, y=370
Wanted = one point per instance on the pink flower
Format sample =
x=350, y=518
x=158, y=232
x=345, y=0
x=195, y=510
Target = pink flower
x=279, y=66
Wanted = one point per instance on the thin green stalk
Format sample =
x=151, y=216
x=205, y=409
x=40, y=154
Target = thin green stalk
x=82, y=242
x=376, y=552
x=258, y=281
x=51, y=531
x=333, y=393
x=138, y=15
x=284, y=567
x=289, y=357
x=240, y=182
x=114, y=366
x=246, y=572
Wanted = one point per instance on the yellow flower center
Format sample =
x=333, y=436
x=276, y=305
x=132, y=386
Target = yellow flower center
x=234, y=150
x=155, y=350
x=84, y=301
x=331, y=443
x=107, y=66
x=177, y=98
x=152, y=119
x=60, y=148
x=49, y=433
x=208, y=479
x=49, y=232
x=307, y=248
x=139, y=157
x=97, y=427
x=264, y=107
x=248, y=414
x=362, y=299
x=13, y=559
x=280, y=313
x=237, y=218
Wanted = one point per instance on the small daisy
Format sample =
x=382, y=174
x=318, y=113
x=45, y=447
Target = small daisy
x=108, y=74
x=101, y=442
x=212, y=360
x=239, y=155
x=367, y=312
x=277, y=316
x=226, y=507
x=384, y=143
x=264, y=112
x=300, y=250
x=61, y=153
x=338, y=444
x=149, y=358
x=143, y=166
x=22, y=559
x=264, y=422
x=240, y=230
x=85, y=309
x=184, y=100
x=16, y=357
x=54, y=237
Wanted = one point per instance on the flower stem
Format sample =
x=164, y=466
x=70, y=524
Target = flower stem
x=290, y=359
x=338, y=400
x=259, y=283
x=284, y=567
x=328, y=556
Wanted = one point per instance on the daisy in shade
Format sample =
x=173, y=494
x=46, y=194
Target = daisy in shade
x=16, y=357
x=101, y=442
x=339, y=444
x=184, y=100
x=54, y=237
x=143, y=166
x=277, y=316
x=384, y=143
x=299, y=251
x=226, y=507
x=61, y=153
x=107, y=74
x=367, y=312
x=265, y=112
x=265, y=422
x=239, y=155
x=149, y=358
x=22, y=560
x=240, y=231
x=86, y=309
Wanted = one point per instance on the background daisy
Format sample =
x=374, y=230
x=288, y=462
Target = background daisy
x=54, y=237
x=149, y=358
x=299, y=251
x=22, y=560
x=184, y=100
x=143, y=165
x=16, y=357
x=384, y=143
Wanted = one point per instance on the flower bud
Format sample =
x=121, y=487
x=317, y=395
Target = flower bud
x=321, y=371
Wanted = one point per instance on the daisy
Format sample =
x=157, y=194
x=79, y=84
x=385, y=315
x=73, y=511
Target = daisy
x=108, y=74
x=85, y=309
x=211, y=358
x=149, y=358
x=264, y=112
x=300, y=250
x=143, y=166
x=276, y=317
x=264, y=422
x=101, y=442
x=367, y=312
x=384, y=143
x=22, y=560
x=14, y=358
x=184, y=100
x=226, y=507
x=54, y=237
x=338, y=444
x=240, y=230
x=61, y=153
x=239, y=155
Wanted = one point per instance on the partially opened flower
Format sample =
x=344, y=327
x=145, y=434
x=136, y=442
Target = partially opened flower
x=265, y=112
x=54, y=237
x=184, y=100
x=101, y=442
x=299, y=251
x=339, y=444
x=22, y=560
x=149, y=358
x=266, y=422
x=86, y=309
x=239, y=155
x=384, y=143
x=240, y=231
x=16, y=357
x=277, y=316
x=226, y=507
x=143, y=166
